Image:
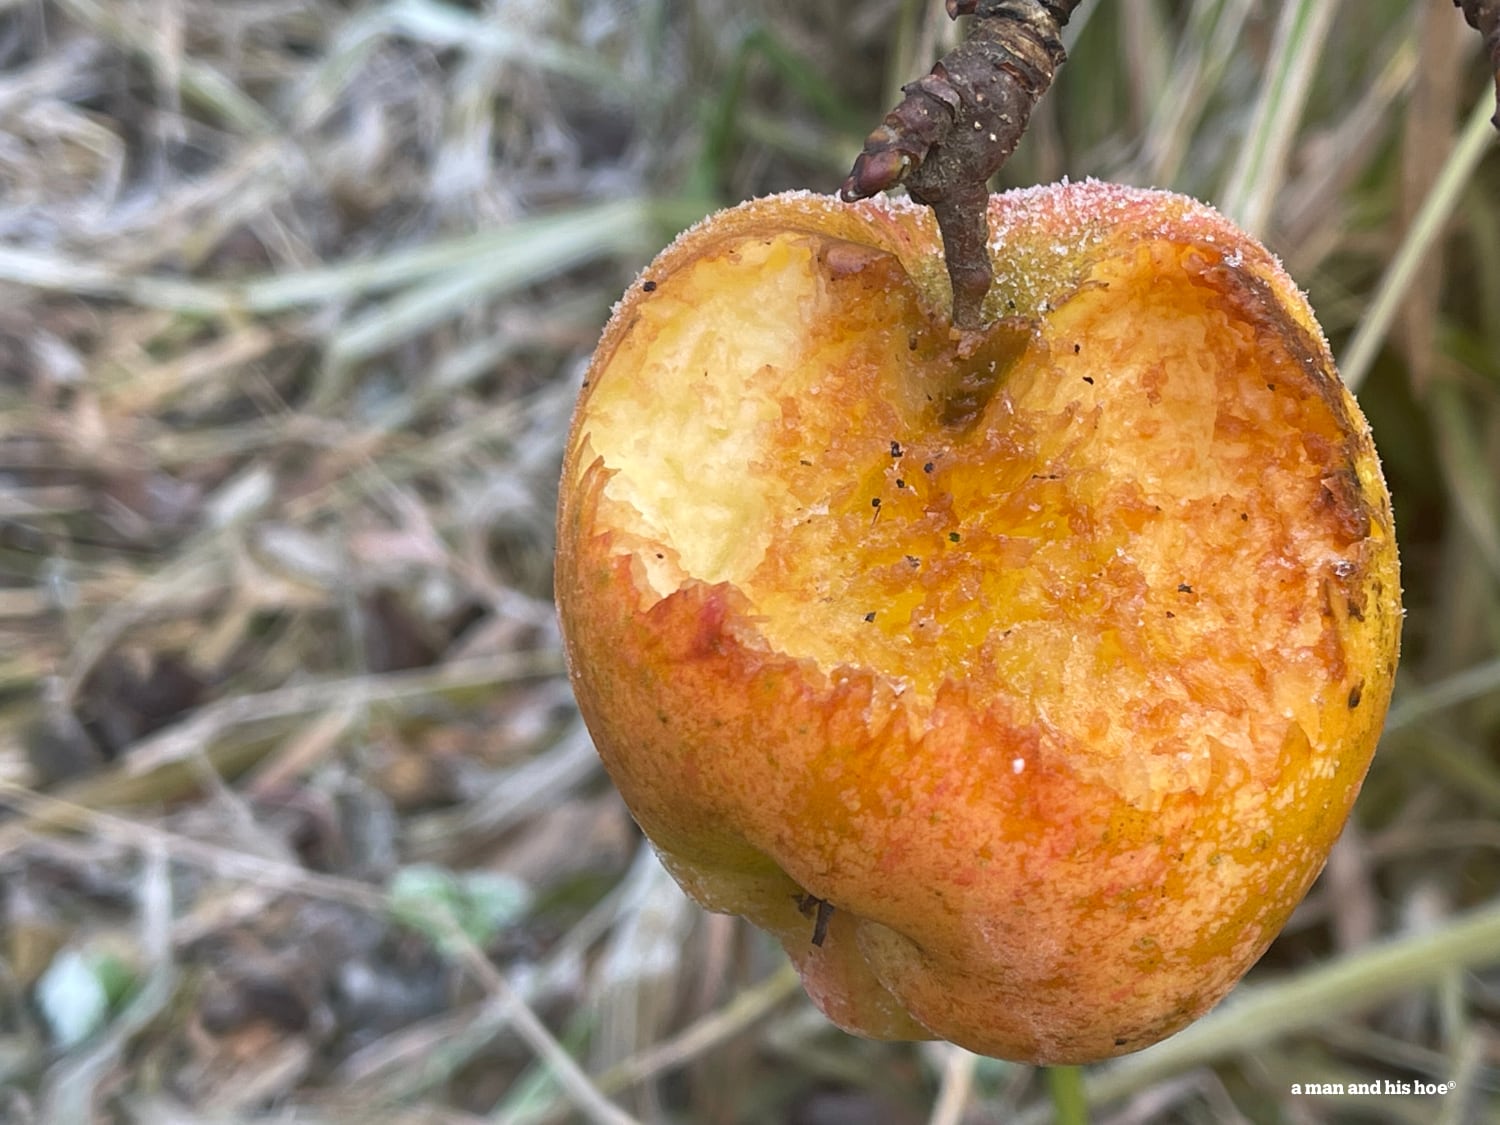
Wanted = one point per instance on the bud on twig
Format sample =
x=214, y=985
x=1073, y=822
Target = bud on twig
x=959, y=123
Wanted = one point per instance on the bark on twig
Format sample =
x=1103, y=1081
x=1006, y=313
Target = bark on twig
x=1484, y=17
x=958, y=124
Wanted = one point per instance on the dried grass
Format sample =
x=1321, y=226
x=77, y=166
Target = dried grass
x=294, y=297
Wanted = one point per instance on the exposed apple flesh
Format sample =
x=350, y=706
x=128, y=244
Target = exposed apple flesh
x=1051, y=660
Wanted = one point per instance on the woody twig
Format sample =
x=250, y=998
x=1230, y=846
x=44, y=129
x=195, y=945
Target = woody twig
x=959, y=123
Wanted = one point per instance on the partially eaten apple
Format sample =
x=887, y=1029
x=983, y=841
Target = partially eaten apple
x=1019, y=682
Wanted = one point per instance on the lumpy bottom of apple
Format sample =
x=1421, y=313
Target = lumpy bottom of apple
x=1102, y=510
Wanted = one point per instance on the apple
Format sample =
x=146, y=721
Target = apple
x=1018, y=681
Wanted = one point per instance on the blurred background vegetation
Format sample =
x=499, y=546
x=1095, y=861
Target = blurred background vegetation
x=299, y=821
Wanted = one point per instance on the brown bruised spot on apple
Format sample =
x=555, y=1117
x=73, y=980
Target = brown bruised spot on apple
x=1041, y=666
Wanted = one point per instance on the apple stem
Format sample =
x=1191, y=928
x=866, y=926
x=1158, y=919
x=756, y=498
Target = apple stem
x=1484, y=17
x=963, y=220
x=959, y=123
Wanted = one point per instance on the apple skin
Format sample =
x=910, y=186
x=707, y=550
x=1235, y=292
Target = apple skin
x=1065, y=726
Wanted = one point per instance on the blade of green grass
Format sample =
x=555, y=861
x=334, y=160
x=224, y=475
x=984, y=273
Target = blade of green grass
x=528, y=255
x=1258, y=174
x=1473, y=143
x=1467, y=470
x=1472, y=683
x=489, y=262
x=1208, y=44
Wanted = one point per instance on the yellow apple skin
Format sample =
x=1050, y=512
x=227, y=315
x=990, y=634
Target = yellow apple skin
x=1063, y=727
